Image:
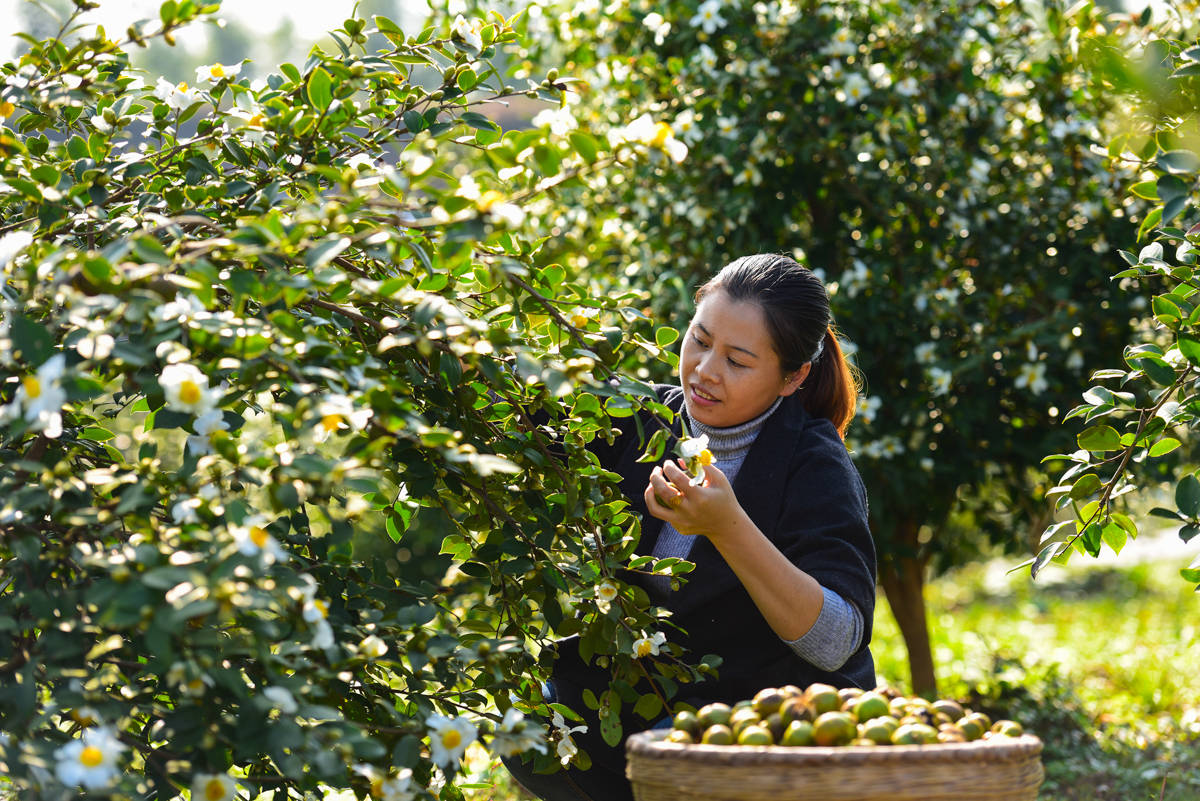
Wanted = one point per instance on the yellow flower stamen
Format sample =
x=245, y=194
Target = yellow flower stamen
x=451, y=739
x=705, y=457
x=643, y=648
x=257, y=120
x=33, y=387
x=6, y=109
x=217, y=71
x=332, y=422
x=259, y=536
x=488, y=199
x=214, y=789
x=91, y=757
x=321, y=607
x=189, y=392
x=377, y=787
x=662, y=132
x=181, y=86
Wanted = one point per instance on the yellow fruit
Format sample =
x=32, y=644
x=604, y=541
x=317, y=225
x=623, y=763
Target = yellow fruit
x=768, y=701
x=680, y=736
x=869, y=705
x=1007, y=728
x=713, y=714
x=949, y=707
x=971, y=728
x=795, y=708
x=717, y=734
x=879, y=730
x=914, y=734
x=834, y=728
x=755, y=735
x=791, y=691
x=743, y=718
x=950, y=733
x=798, y=732
x=686, y=720
x=847, y=694
x=822, y=698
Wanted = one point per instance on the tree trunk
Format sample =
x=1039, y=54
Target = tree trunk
x=903, y=578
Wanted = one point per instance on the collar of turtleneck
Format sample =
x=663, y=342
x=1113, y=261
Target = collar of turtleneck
x=732, y=442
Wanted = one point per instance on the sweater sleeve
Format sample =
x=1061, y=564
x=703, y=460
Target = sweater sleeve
x=835, y=635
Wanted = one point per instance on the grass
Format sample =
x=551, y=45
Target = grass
x=1099, y=662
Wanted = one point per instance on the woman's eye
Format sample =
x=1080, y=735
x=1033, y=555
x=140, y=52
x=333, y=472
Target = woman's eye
x=699, y=342
x=735, y=364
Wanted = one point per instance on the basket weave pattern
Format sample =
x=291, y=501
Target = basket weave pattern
x=1004, y=769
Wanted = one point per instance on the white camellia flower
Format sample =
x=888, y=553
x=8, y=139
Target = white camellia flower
x=184, y=511
x=515, y=735
x=254, y=123
x=213, y=787
x=282, y=699
x=181, y=310
x=448, y=739
x=659, y=26
x=693, y=446
x=12, y=244
x=467, y=31
x=868, y=408
x=214, y=73
x=606, y=593
x=253, y=539
x=708, y=16
x=939, y=380
x=186, y=389
x=706, y=57
x=748, y=174
x=908, y=87
x=926, y=352
x=91, y=761
x=854, y=89
x=842, y=43
x=315, y=613
x=388, y=787
x=40, y=397
x=372, y=647
x=176, y=95
x=727, y=127
x=1032, y=376
x=566, y=747
x=648, y=645
x=338, y=412
x=206, y=425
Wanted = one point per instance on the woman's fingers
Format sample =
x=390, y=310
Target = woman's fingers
x=666, y=492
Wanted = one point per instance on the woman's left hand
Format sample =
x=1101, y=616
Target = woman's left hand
x=708, y=508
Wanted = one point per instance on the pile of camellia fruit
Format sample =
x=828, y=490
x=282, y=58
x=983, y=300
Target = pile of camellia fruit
x=824, y=715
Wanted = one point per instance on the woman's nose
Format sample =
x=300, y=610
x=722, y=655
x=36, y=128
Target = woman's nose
x=705, y=367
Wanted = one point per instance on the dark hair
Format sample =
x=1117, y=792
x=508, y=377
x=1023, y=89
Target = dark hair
x=796, y=307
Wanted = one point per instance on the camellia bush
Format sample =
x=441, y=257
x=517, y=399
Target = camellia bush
x=935, y=163
x=263, y=343
x=1136, y=416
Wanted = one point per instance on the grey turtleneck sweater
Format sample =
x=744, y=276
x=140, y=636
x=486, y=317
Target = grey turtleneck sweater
x=835, y=635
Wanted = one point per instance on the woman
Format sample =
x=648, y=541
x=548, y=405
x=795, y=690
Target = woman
x=784, y=585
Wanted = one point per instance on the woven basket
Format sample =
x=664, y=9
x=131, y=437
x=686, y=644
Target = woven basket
x=998, y=769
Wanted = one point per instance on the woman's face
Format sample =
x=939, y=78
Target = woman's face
x=728, y=367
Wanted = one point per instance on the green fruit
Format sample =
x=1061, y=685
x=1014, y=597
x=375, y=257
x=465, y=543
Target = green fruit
x=768, y=701
x=680, y=736
x=755, y=735
x=686, y=720
x=717, y=734
x=950, y=708
x=714, y=714
x=897, y=706
x=791, y=691
x=864, y=741
x=834, y=728
x=879, y=730
x=869, y=705
x=846, y=696
x=822, y=698
x=795, y=708
x=950, y=733
x=982, y=718
x=971, y=728
x=1007, y=728
x=914, y=734
x=745, y=703
x=798, y=732
x=742, y=718
x=776, y=725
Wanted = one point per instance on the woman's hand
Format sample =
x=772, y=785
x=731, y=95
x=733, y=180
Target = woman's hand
x=709, y=508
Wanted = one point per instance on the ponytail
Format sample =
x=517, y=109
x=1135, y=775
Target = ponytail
x=831, y=388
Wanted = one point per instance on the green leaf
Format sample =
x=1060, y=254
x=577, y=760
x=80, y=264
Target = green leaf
x=1148, y=224
x=32, y=341
x=1179, y=161
x=1099, y=438
x=648, y=706
x=1164, y=446
x=1114, y=536
x=1187, y=495
x=1189, y=346
x=325, y=252
x=585, y=145
x=665, y=336
x=320, y=93
x=1146, y=190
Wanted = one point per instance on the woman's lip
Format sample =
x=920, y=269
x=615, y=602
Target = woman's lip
x=703, y=401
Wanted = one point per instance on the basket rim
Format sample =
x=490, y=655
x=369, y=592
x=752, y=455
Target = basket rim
x=652, y=745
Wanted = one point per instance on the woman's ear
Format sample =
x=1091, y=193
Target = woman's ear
x=792, y=382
